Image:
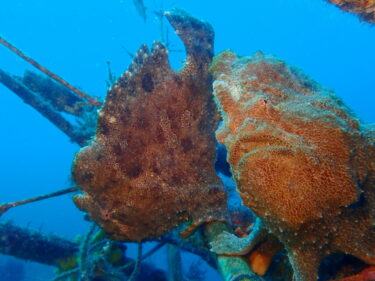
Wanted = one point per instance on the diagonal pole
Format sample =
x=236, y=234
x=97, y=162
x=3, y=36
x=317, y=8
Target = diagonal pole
x=6, y=206
x=55, y=77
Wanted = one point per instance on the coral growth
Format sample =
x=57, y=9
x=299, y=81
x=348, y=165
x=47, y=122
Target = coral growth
x=301, y=161
x=150, y=166
x=365, y=9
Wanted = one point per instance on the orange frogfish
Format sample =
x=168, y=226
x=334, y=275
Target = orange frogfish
x=301, y=160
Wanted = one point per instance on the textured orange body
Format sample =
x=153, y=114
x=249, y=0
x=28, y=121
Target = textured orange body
x=150, y=166
x=301, y=161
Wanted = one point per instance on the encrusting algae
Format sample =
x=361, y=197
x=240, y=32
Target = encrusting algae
x=301, y=161
x=150, y=166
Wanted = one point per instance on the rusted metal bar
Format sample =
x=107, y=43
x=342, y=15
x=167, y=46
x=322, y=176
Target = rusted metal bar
x=44, y=106
x=18, y=52
x=6, y=206
x=31, y=245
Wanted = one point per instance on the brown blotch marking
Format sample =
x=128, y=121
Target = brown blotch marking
x=148, y=83
x=157, y=191
x=138, y=146
x=159, y=136
x=142, y=123
x=112, y=182
x=131, y=88
x=178, y=81
x=86, y=177
x=103, y=129
x=99, y=156
x=176, y=180
x=187, y=144
x=213, y=191
x=171, y=113
x=117, y=149
x=156, y=170
x=125, y=116
x=134, y=170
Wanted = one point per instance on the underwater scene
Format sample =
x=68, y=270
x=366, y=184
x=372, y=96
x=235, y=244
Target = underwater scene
x=186, y=140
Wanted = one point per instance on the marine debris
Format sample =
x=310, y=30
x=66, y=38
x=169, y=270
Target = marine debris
x=101, y=256
x=56, y=103
x=302, y=162
x=79, y=93
x=156, y=143
x=365, y=9
x=31, y=245
x=4, y=207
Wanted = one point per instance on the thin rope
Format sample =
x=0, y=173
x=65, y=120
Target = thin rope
x=137, y=265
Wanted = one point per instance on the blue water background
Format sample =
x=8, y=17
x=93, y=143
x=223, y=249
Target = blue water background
x=75, y=39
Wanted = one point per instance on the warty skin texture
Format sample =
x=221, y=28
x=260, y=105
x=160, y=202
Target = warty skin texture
x=150, y=166
x=301, y=161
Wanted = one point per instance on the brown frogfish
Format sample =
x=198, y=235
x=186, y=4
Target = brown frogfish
x=150, y=166
x=301, y=160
